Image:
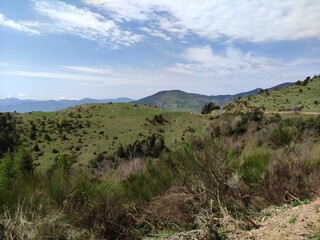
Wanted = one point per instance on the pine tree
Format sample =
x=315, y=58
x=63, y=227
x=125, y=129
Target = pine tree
x=7, y=171
x=23, y=161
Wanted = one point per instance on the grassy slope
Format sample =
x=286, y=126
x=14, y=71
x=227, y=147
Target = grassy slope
x=287, y=97
x=177, y=101
x=121, y=123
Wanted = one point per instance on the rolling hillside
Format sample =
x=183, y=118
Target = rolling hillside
x=303, y=96
x=177, y=100
x=91, y=129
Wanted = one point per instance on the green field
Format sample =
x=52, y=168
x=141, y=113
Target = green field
x=100, y=128
x=287, y=98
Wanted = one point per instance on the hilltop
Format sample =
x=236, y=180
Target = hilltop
x=177, y=100
x=302, y=96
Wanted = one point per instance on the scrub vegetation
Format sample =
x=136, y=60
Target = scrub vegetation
x=127, y=171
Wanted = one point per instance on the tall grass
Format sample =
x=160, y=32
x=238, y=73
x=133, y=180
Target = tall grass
x=254, y=165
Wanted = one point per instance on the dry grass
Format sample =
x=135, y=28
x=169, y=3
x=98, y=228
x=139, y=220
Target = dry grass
x=176, y=208
x=22, y=225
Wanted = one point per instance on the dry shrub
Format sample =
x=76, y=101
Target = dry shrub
x=108, y=219
x=292, y=174
x=133, y=166
x=174, y=208
x=314, y=179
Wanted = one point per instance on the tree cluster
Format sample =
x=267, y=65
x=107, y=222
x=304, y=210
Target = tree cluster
x=8, y=136
x=152, y=146
x=157, y=119
x=208, y=108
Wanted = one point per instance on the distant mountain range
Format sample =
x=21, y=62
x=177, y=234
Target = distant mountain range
x=181, y=101
x=21, y=106
x=174, y=100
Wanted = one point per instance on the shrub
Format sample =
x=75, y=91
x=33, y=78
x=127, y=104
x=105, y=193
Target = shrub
x=47, y=137
x=108, y=219
x=158, y=119
x=208, y=108
x=24, y=161
x=54, y=150
x=58, y=185
x=7, y=172
x=155, y=180
x=280, y=136
x=63, y=122
x=254, y=165
x=36, y=148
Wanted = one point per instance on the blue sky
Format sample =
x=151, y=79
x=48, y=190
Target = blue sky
x=115, y=48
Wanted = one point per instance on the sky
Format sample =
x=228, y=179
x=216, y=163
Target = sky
x=52, y=49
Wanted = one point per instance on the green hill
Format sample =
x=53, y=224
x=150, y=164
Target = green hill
x=302, y=96
x=86, y=131
x=176, y=100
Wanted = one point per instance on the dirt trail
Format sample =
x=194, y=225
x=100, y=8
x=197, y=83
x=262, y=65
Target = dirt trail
x=291, y=112
x=301, y=222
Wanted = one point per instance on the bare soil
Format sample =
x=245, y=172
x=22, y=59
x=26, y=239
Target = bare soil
x=292, y=112
x=300, y=222
x=276, y=223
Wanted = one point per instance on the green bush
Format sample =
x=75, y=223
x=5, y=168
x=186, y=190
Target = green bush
x=24, y=161
x=59, y=182
x=155, y=180
x=280, y=137
x=254, y=165
x=7, y=171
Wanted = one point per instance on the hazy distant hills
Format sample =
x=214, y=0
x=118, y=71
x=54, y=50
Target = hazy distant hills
x=174, y=100
x=21, y=106
x=181, y=101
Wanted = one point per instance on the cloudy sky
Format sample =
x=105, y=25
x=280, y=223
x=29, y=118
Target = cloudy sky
x=133, y=48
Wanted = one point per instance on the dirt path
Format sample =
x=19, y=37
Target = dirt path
x=287, y=223
x=291, y=112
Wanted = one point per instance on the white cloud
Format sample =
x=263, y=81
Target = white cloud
x=203, y=54
x=123, y=10
x=110, y=76
x=16, y=25
x=173, y=26
x=68, y=19
x=156, y=33
x=202, y=60
x=21, y=95
x=248, y=20
x=90, y=70
x=64, y=98
x=52, y=74
x=105, y=21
